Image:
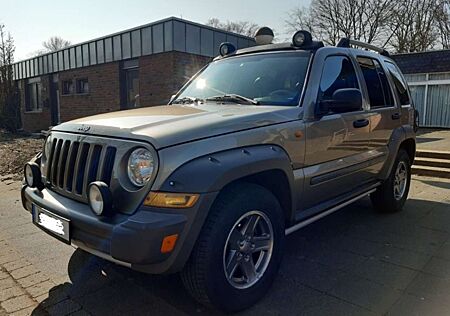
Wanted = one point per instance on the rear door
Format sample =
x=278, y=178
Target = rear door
x=384, y=110
x=336, y=143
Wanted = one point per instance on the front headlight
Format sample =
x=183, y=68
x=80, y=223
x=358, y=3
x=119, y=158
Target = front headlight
x=140, y=166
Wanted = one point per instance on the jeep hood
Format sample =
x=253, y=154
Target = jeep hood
x=169, y=125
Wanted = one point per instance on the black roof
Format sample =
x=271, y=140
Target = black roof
x=423, y=62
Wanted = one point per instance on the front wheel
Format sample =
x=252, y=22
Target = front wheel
x=239, y=249
x=391, y=195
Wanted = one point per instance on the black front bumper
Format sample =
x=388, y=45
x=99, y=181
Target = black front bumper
x=132, y=240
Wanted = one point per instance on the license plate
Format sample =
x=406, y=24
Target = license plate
x=52, y=223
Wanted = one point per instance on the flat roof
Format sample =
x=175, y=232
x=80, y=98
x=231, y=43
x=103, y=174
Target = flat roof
x=170, y=34
x=423, y=62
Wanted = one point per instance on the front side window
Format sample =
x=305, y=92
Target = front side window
x=33, y=98
x=269, y=79
x=399, y=83
x=377, y=85
x=338, y=73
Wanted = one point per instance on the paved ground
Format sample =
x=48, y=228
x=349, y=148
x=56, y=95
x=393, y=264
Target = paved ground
x=433, y=139
x=354, y=262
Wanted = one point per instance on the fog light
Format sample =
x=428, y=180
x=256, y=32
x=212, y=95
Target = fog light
x=32, y=174
x=171, y=200
x=100, y=198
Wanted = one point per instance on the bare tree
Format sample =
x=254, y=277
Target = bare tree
x=405, y=26
x=415, y=25
x=443, y=23
x=246, y=28
x=329, y=20
x=55, y=43
x=9, y=105
x=300, y=19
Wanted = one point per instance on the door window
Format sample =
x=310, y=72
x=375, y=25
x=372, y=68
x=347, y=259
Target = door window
x=377, y=85
x=338, y=73
x=399, y=83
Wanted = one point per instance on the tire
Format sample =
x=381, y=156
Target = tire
x=386, y=198
x=204, y=275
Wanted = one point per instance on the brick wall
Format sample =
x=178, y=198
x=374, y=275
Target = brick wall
x=39, y=120
x=103, y=96
x=162, y=75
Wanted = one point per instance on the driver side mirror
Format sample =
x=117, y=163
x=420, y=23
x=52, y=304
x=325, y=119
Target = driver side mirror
x=343, y=100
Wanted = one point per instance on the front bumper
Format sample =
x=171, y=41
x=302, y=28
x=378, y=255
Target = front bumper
x=131, y=240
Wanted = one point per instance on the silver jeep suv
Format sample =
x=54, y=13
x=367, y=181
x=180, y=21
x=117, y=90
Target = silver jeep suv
x=259, y=143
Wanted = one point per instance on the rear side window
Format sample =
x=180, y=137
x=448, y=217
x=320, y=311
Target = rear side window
x=380, y=94
x=400, y=84
x=338, y=73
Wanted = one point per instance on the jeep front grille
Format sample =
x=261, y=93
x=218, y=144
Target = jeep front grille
x=73, y=161
x=72, y=165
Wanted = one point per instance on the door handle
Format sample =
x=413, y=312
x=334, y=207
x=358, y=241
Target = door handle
x=396, y=116
x=360, y=123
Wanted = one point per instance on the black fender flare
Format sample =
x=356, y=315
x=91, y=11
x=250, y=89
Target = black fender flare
x=399, y=135
x=211, y=173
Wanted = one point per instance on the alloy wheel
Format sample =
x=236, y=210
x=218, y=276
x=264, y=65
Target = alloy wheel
x=248, y=249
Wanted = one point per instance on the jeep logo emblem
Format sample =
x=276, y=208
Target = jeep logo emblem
x=84, y=128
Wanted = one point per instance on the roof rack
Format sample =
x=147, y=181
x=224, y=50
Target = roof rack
x=346, y=42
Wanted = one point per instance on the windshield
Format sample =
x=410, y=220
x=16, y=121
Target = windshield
x=272, y=78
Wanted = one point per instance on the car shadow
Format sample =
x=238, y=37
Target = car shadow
x=323, y=266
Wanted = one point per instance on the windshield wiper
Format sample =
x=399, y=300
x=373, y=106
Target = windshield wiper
x=233, y=98
x=185, y=100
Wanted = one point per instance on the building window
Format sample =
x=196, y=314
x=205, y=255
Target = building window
x=33, y=100
x=82, y=86
x=67, y=87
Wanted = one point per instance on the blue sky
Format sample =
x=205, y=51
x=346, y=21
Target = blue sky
x=31, y=22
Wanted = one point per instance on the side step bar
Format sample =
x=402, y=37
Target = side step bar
x=311, y=220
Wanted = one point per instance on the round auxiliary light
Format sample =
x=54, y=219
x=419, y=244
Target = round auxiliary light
x=140, y=166
x=100, y=198
x=226, y=49
x=301, y=38
x=32, y=174
x=264, y=35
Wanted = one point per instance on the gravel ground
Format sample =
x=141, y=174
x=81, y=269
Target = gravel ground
x=15, y=151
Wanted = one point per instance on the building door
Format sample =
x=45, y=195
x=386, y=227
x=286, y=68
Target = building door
x=54, y=100
x=130, y=84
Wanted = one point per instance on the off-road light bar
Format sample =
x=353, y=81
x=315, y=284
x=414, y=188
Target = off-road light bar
x=226, y=49
x=301, y=38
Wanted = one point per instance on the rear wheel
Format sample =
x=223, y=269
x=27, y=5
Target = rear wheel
x=391, y=195
x=239, y=250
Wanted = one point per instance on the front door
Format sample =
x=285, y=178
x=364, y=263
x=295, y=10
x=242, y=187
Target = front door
x=337, y=143
x=130, y=97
